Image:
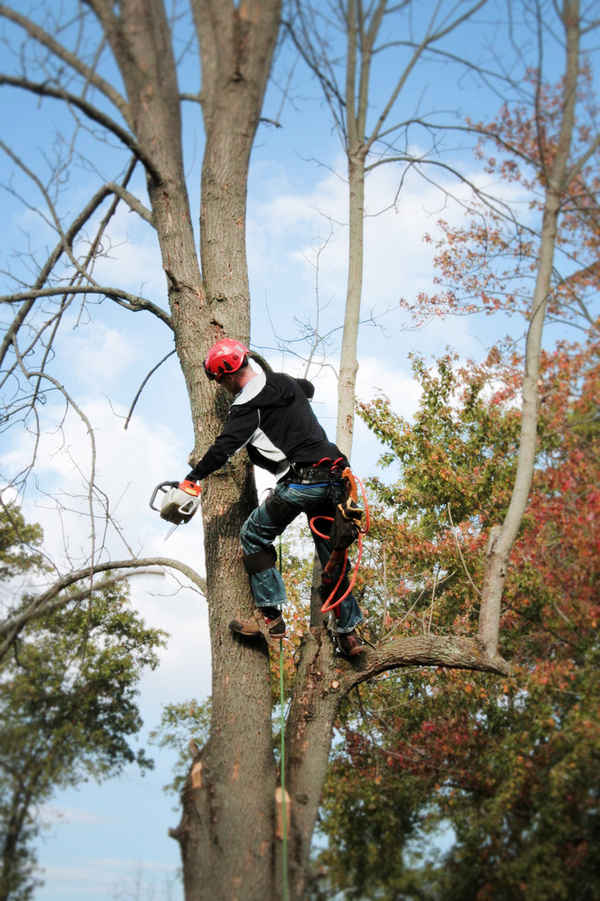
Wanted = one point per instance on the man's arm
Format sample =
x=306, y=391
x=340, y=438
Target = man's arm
x=239, y=428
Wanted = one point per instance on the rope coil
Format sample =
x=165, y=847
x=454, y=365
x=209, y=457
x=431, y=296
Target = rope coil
x=330, y=603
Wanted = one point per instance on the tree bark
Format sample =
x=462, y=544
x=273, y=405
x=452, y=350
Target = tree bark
x=309, y=730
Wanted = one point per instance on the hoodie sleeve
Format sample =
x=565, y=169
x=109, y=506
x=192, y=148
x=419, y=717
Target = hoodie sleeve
x=241, y=424
x=307, y=387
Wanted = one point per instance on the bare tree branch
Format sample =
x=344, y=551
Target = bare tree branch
x=71, y=59
x=429, y=38
x=132, y=302
x=47, y=601
x=69, y=236
x=45, y=89
x=133, y=202
x=143, y=385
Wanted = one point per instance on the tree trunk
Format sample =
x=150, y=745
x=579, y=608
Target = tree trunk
x=309, y=730
x=557, y=180
x=15, y=858
x=227, y=829
x=231, y=785
x=348, y=359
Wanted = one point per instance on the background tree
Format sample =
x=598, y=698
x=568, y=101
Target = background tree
x=67, y=702
x=550, y=144
x=341, y=43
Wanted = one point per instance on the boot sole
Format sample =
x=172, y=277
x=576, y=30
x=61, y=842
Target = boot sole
x=239, y=629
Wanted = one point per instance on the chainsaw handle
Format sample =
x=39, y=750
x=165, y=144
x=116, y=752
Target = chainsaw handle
x=189, y=487
x=162, y=487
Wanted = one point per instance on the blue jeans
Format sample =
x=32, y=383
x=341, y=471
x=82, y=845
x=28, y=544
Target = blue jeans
x=270, y=519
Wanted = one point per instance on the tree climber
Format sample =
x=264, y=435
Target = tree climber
x=271, y=417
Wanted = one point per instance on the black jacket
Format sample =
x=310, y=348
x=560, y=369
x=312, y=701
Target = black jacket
x=272, y=418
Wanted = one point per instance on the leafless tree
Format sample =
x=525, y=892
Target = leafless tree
x=371, y=133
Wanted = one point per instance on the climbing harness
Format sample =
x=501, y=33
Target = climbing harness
x=346, y=529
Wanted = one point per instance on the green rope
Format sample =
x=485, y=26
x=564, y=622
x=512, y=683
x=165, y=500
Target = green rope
x=284, y=851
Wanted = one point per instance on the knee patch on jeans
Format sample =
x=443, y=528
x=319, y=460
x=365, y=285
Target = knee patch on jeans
x=261, y=560
x=280, y=511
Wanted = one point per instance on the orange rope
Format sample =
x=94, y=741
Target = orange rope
x=328, y=605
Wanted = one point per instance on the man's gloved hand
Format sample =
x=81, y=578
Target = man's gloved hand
x=191, y=477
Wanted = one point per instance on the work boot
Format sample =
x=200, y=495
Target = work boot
x=350, y=644
x=276, y=626
x=250, y=627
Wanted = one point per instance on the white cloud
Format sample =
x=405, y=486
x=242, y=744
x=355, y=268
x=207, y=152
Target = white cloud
x=69, y=816
x=376, y=379
x=101, y=361
x=287, y=231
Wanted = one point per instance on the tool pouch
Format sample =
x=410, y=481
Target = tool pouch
x=348, y=515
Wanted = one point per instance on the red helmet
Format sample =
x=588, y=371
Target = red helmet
x=224, y=357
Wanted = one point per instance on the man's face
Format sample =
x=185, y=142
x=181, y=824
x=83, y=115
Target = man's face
x=230, y=382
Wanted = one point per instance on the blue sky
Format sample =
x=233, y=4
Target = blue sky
x=103, y=841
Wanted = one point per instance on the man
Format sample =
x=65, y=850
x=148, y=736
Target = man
x=271, y=417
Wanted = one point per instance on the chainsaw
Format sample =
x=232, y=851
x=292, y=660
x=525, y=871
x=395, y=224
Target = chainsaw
x=178, y=503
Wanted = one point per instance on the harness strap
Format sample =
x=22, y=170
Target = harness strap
x=324, y=470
